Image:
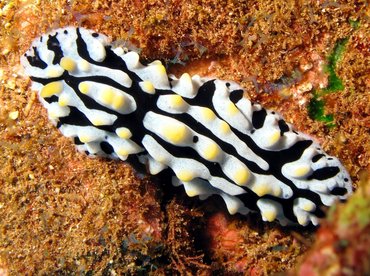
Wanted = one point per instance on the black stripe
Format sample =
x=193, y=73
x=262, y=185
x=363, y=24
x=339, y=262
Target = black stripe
x=258, y=118
x=54, y=45
x=35, y=60
x=51, y=99
x=204, y=95
x=283, y=126
x=106, y=147
x=339, y=191
x=324, y=173
x=317, y=157
x=236, y=95
x=49, y=80
x=77, y=141
x=75, y=117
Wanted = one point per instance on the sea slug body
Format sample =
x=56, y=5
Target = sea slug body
x=213, y=140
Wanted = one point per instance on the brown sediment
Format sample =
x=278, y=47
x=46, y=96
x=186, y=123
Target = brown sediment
x=253, y=248
x=183, y=234
x=63, y=212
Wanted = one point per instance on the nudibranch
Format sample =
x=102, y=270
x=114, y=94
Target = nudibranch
x=203, y=131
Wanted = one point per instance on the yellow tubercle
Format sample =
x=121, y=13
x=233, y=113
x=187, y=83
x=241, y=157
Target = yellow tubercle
x=274, y=138
x=302, y=220
x=269, y=215
x=118, y=101
x=232, y=109
x=84, y=87
x=177, y=101
x=122, y=151
x=224, y=127
x=191, y=192
x=211, y=152
x=262, y=189
x=308, y=206
x=123, y=133
x=208, y=114
x=233, y=209
x=276, y=191
x=64, y=100
x=241, y=176
x=148, y=87
x=107, y=95
x=85, y=138
x=98, y=121
x=51, y=89
x=68, y=64
x=161, y=69
x=301, y=171
x=176, y=133
x=185, y=175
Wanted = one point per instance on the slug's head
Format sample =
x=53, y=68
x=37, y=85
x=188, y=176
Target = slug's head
x=68, y=49
x=78, y=78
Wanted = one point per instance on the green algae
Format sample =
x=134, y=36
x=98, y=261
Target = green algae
x=316, y=107
x=316, y=110
x=334, y=82
x=355, y=24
